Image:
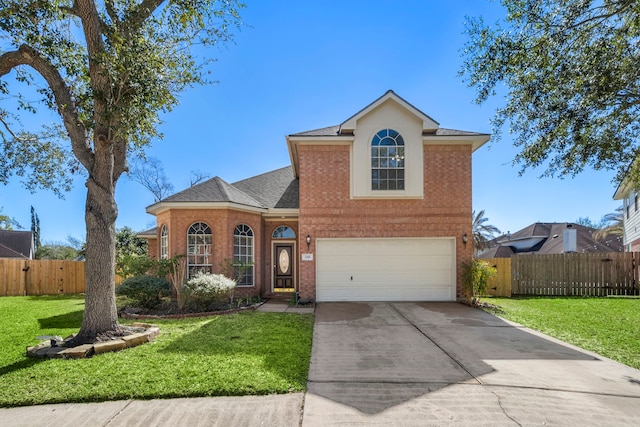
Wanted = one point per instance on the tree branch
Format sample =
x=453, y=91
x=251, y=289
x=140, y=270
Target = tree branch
x=111, y=11
x=92, y=26
x=142, y=13
x=26, y=55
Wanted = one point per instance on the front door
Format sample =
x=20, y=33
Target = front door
x=283, y=267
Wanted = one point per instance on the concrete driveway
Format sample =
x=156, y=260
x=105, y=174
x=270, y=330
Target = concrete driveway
x=449, y=364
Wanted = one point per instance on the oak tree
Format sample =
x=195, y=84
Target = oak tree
x=109, y=69
x=568, y=70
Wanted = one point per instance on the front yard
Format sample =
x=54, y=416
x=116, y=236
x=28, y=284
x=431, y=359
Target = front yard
x=607, y=326
x=238, y=354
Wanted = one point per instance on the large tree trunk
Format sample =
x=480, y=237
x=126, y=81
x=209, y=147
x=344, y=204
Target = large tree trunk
x=100, y=314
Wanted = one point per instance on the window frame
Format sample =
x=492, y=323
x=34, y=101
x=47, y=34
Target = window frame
x=387, y=165
x=281, y=229
x=203, y=248
x=244, y=238
x=164, y=242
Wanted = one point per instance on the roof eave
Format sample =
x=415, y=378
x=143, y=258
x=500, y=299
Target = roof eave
x=476, y=141
x=160, y=207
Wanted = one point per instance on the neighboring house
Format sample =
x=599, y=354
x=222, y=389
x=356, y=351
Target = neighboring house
x=551, y=238
x=631, y=215
x=16, y=244
x=375, y=208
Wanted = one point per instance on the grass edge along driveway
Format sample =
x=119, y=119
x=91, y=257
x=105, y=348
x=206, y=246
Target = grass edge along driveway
x=607, y=326
x=247, y=353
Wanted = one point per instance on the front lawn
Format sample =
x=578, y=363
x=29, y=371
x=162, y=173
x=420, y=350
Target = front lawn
x=238, y=354
x=607, y=326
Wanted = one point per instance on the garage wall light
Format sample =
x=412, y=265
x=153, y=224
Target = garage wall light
x=308, y=241
x=464, y=239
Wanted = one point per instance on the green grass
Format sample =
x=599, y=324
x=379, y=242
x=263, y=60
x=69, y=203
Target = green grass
x=607, y=326
x=240, y=354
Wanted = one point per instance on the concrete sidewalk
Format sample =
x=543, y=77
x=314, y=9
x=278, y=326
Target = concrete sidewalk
x=282, y=306
x=277, y=410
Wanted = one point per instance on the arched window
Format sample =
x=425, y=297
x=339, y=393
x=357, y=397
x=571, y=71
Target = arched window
x=243, y=255
x=387, y=161
x=198, y=248
x=283, y=232
x=164, y=242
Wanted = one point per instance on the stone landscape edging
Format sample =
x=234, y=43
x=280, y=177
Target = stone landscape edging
x=45, y=350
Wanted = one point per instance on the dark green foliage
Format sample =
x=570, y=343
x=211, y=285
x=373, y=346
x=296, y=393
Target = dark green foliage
x=35, y=229
x=146, y=291
x=56, y=251
x=568, y=71
x=475, y=277
x=131, y=254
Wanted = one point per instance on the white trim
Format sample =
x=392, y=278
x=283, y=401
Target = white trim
x=281, y=214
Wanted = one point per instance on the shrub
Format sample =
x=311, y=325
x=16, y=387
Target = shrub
x=147, y=291
x=476, y=275
x=205, y=290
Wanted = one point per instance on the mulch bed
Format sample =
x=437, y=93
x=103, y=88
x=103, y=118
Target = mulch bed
x=171, y=311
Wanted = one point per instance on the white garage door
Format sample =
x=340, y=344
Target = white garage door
x=385, y=269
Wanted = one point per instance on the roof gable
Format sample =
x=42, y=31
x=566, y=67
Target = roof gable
x=428, y=124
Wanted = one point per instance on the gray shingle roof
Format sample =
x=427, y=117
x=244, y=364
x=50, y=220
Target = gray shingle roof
x=550, y=240
x=455, y=132
x=214, y=190
x=16, y=244
x=334, y=131
x=275, y=189
x=328, y=131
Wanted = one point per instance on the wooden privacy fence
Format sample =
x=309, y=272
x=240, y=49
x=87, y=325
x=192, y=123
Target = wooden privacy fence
x=41, y=277
x=578, y=274
x=500, y=284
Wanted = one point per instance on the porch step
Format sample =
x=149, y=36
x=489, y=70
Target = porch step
x=283, y=296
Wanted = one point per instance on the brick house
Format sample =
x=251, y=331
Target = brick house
x=376, y=208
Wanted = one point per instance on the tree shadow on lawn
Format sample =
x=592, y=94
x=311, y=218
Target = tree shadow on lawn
x=281, y=341
x=58, y=297
x=62, y=321
x=19, y=365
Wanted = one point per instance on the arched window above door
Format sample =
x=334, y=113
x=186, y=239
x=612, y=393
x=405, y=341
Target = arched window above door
x=283, y=232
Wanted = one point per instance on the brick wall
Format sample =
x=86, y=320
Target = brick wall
x=222, y=223
x=326, y=210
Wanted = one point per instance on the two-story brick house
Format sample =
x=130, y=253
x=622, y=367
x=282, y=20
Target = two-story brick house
x=376, y=208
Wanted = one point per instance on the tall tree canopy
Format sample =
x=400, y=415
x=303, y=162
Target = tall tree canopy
x=570, y=72
x=109, y=69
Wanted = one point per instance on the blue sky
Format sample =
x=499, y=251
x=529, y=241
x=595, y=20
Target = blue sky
x=297, y=66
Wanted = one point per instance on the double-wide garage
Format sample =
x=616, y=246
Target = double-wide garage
x=385, y=269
